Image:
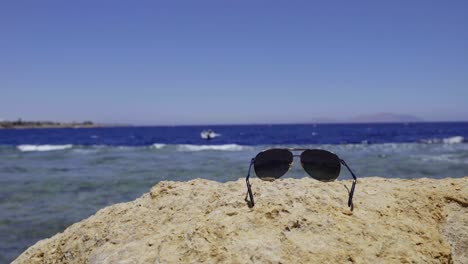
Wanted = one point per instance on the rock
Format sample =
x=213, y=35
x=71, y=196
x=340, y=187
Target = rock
x=293, y=221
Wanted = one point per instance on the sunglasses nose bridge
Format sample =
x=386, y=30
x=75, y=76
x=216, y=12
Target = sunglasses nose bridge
x=300, y=159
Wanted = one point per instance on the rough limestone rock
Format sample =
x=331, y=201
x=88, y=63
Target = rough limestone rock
x=293, y=221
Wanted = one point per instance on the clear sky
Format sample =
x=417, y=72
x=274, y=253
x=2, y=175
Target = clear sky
x=189, y=62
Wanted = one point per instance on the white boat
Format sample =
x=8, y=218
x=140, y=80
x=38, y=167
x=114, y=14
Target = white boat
x=208, y=134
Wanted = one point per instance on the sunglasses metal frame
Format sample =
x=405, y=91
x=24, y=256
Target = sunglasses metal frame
x=342, y=162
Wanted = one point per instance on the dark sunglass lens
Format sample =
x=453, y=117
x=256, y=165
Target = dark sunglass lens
x=321, y=164
x=272, y=164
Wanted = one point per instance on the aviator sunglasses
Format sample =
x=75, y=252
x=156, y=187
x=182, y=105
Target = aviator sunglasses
x=320, y=164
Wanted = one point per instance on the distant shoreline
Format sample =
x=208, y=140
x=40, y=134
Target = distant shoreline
x=45, y=124
x=47, y=127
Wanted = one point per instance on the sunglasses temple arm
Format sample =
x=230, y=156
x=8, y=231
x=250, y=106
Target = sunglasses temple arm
x=249, y=190
x=351, y=193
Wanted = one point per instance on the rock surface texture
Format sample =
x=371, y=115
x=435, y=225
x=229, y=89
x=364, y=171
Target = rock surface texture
x=293, y=221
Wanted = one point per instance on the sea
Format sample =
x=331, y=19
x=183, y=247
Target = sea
x=52, y=178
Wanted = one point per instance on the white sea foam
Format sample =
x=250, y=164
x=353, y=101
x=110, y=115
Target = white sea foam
x=26, y=148
x=123, y=147
x=450, y=140
x=85, y=150
x=453, y=140
x=227, y=147
x=157, y=146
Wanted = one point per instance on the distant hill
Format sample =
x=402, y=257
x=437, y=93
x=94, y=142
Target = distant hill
x=384, y=118
x=371, y=118
x=323, y=120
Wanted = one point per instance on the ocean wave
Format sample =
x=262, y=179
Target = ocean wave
x=227, y=147
x=448, y=158
x=85, y=150
x=363, y=145
x=453, y=140
x=449, y=140
x=157, y=146
x=27, y=148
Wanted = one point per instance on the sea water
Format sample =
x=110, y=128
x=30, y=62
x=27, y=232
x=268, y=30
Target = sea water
x=51, y=178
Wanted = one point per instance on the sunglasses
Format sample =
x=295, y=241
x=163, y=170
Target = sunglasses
x=320, y=164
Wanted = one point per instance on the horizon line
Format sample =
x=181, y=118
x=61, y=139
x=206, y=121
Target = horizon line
x=281, y=123
x=331, y=122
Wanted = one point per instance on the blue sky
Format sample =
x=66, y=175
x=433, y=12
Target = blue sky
x=198, y=62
